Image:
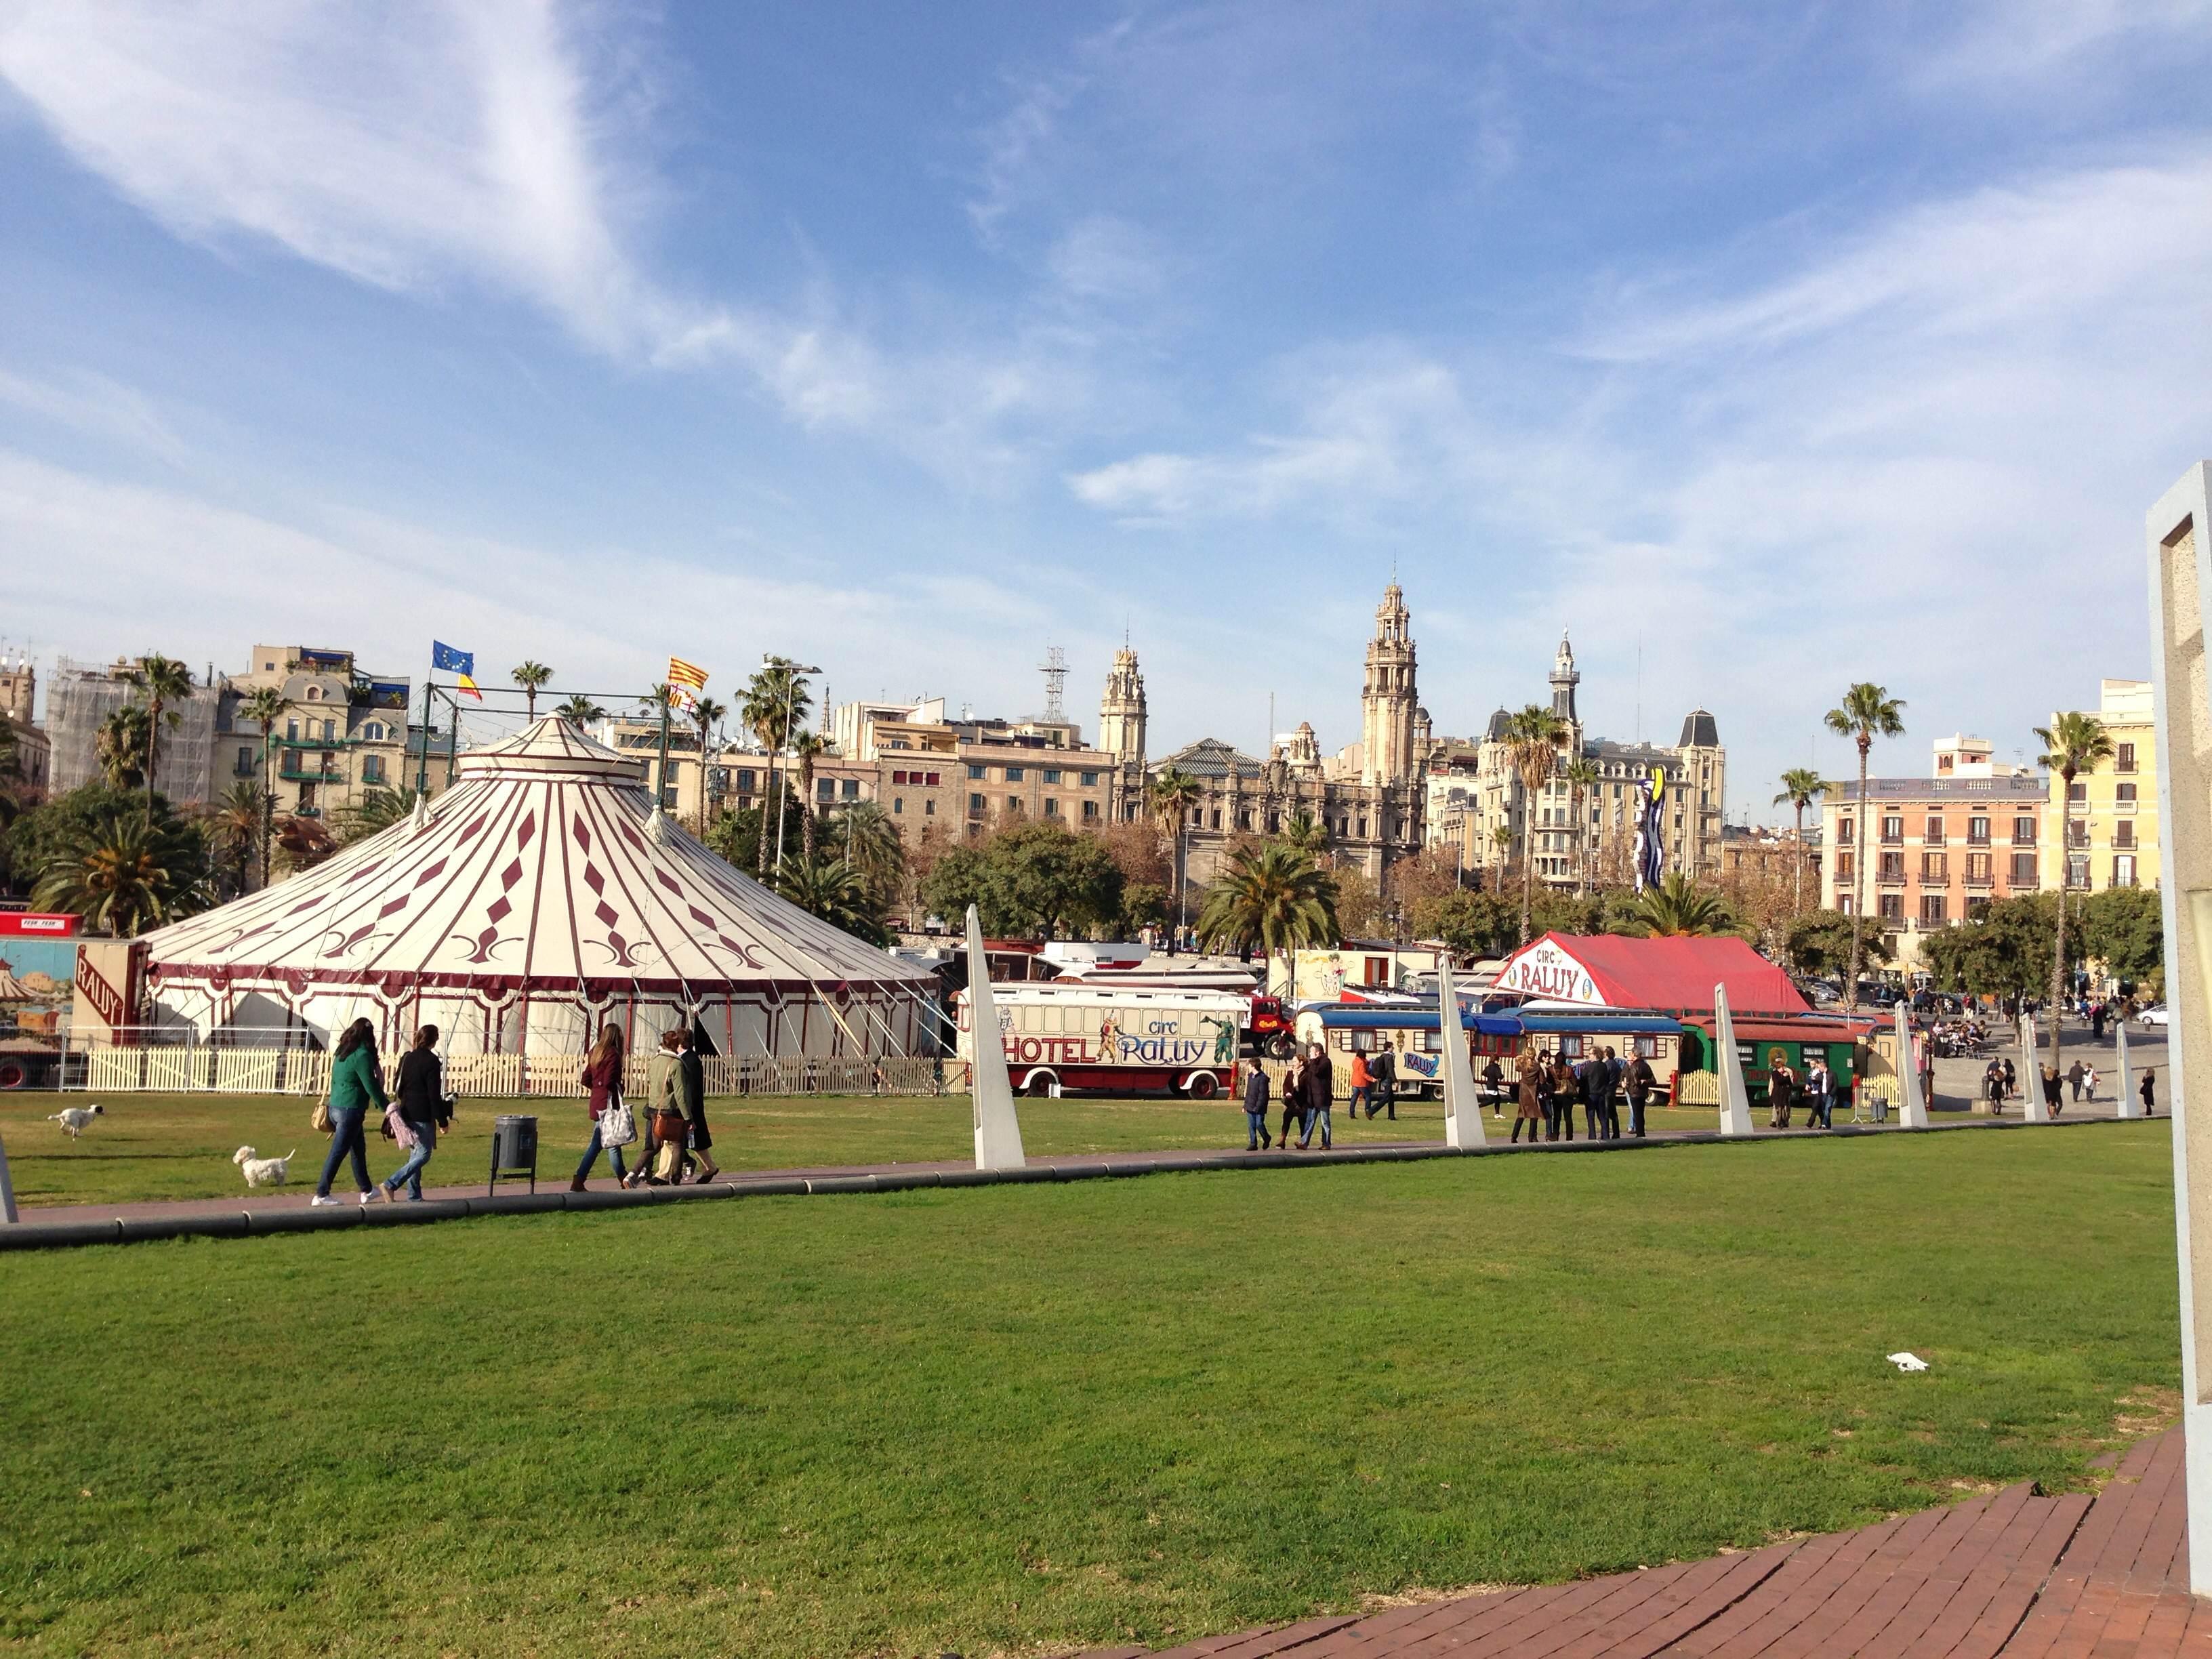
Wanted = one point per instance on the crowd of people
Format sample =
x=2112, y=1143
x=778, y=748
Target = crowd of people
x=1548, y=1085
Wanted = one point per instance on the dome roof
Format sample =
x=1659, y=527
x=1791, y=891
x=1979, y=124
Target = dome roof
x=546, y=867
x=1500, y=728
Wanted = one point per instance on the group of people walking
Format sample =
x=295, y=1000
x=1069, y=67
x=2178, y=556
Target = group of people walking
x=1816, y=1091
x=1308, y=1097
x=1548, y=1085
x=412, y=1116
x=678, y=1142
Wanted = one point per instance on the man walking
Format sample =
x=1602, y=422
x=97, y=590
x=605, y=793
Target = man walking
x=1363, y=1084
x=1294, y=1098
x=691, y=1089
x=1819, y=1094
x=1383, y=1084
x=1320, y=1095
x=1615, y=1069
x=1641, y=1083
x=1493, y=1085
x=1255, y=1109
x=2074, y=1077
x=1781, y=1093
x=1591, y=1075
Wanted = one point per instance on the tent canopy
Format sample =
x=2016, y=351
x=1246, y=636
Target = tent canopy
x=1674, y=974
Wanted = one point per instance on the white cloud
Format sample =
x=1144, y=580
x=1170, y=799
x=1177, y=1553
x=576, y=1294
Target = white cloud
x=93, y=404
x=2001, y=43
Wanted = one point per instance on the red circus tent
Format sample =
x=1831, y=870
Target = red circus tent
x=1674, y=974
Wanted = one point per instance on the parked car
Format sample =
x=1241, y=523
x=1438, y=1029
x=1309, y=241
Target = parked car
x=2154, y=1015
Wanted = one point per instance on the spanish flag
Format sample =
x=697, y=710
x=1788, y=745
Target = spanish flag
x=687, y=679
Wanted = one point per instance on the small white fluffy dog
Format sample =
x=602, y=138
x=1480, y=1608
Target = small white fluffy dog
x=263, y=1171
x=75, y=1120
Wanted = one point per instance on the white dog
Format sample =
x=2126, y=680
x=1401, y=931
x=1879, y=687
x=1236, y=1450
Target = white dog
x=75, y=1120
x=263, y=1171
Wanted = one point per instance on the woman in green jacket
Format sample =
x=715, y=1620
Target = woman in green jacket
x=356, y=1084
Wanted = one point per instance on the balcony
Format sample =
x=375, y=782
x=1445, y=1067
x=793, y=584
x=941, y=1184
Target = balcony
x=292, y=774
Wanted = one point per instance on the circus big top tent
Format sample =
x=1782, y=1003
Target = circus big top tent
x=540, y=896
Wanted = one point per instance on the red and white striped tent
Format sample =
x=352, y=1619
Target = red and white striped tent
x=540, y=896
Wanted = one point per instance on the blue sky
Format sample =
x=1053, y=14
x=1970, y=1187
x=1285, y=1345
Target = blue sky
x=1790, y=345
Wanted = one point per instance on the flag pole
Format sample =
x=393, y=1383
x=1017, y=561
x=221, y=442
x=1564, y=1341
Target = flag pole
x=453, y=738
x=423, y=767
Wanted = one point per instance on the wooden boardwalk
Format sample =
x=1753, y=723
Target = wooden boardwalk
x=2016, y=1574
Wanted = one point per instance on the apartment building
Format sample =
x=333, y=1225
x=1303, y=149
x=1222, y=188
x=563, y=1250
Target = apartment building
x=1933, y=849
x=2110, y=820
x=343, y=735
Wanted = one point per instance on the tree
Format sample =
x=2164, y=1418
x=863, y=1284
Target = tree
x=1031, y=880
x=580, y=711
x=2074, y=743
x=1144, y=904
x=2001, y=949
x=1867, y=712
x=1677, y=908
x=1304, y=832
x=1359, y=906
x=1170, y=797
x=805, y=748
x=708, y=715
x=234, y=825
x=1272, y=898
x=161, y=681
x=124, y=872
x=1532, y=745
x=774, y=701
x=867, y=840
x=529, y=676
x=1472, y=924
x=2124, y=928
x=264, y=706
x=120, y=746
x=834, y=890
x=376, y=811
x=1822, y=942
x=1581, y=776
x=1800, y=786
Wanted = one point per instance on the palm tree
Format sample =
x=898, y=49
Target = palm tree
x=124, y=875
x=1170, y=795
x=1272, y=896
x=835, y=891
x=775, y=701
x=806, y=748
x=374, y=813
x=235, y=823
x=1581, y=776
x=1867, y=712
x=1304, y=833
x=708, y=713
x=2072, y=744
x=1800, y=786
x=120, y=745
x=1677, y=909
x=1532, y=745
x=580, y=711
x=162, y=681
x=264, y=706
x=530, y=676
x=872, y=847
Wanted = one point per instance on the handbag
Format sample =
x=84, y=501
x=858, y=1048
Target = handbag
x=320, y=1121
x=618, y=1127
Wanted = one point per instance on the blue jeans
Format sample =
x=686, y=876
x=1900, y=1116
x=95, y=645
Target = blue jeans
x=409, y=1174
x=345, y=1137
x=1256, y=1130
x=1318, y=1114
x=592, y=1155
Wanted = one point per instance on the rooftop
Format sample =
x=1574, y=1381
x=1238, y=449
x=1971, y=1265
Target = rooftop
x=2033, y=786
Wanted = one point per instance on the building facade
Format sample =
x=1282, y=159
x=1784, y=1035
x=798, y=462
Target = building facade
x=1935, y=849
x=2110, y=826
x=19, y=702
x=1585, y=834
x=343, y=735
x=82, y=697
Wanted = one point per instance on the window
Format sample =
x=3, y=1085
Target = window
x=1014, y=804
x=1016, y=773
x=1051, y=807
x=976, y=804
x=1980, y=867
x=1647, y=1048
x=2077, y=792
x=2123, y=757
x=2077, y=870
x=1217, y=817
x=848, y=789
x=1977, y=832
x=2023, y=833
x=1892, y=907
x=1844, y=837
x=2124, y=833
x=2023, y=870
x=245, y=767
x=2077, y=834
x=372, y=733
x=1845, y=865
x=1090, y=779
x=1892, y=867
x=1892, y=828
x=1843, y=903
x=1934, y=835
x=1935, y=866
x=291, y=731
x=897, y=778
x=2123, y=870
x=1090, y=810
x=898, y=804
x=976, y=771
x=1052, y=774
x=1933, y=910
x=314, y=694
x=929, y=809
x=826, y=789
x=2124, y=793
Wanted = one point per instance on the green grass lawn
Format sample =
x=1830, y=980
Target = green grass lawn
x=1036, y=1418
x=179, y=1145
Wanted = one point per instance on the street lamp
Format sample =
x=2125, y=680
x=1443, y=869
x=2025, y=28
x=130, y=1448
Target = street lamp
x=793, y=673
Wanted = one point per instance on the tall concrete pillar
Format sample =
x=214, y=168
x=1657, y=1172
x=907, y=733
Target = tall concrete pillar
x=2033, y=1108
x=2179, y=533
x=1912, y=1105
x=1736, y=1095
x=998, y=1131
x=1462, y=1111
x=2130, y=1102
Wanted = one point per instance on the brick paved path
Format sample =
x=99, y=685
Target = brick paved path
x=2016, y=1574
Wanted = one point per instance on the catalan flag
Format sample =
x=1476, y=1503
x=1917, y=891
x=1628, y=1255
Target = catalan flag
x=461, y=664
x=687, y=679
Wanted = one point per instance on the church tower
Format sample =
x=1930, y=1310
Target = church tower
x=1564, y=679
x=1122, y=710
x=1390, y=704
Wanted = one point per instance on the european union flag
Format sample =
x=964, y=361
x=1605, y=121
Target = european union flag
x=454, y=662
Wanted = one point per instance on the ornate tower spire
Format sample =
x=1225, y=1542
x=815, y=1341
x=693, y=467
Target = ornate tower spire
x=1122, y=710
x=1565, y=679
x=1390, y=702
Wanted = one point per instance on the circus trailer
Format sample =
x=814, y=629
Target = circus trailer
x=541, y=898
x=1116, y=1040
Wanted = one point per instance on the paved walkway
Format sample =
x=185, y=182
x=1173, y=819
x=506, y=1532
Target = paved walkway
x=2016, y=1574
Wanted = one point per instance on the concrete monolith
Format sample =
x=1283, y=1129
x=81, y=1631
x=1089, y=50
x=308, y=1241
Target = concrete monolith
x=998, y=1131
x=1462, y=1111
x=1736, y=1095
x=1911, y=1104
x=2031, y=1074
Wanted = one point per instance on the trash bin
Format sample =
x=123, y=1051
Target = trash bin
x=513, y=1150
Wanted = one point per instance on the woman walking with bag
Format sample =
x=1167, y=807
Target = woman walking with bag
x=1528, y=1112
x=422, y=1110
x=612, y=1126
x=356, y=1085
x=663, y=1160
